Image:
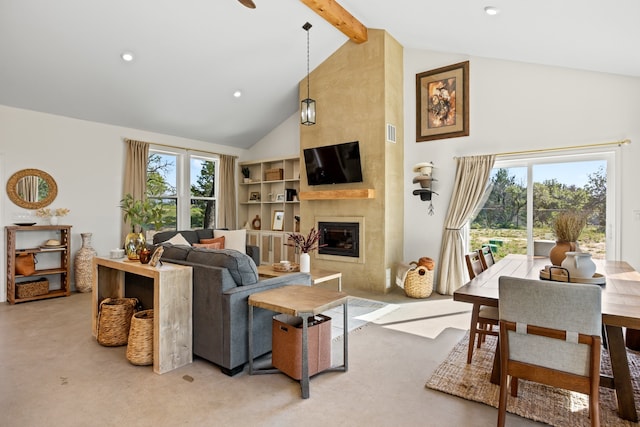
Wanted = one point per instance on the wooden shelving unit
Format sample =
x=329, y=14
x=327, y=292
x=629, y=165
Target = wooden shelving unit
x=266, y=194
x=55, y=262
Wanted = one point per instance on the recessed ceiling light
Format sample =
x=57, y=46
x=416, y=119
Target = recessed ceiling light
x=491, y=10
x=237, y=94
x=127, y=56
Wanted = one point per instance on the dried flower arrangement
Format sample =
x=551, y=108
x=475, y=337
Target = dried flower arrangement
x=305, y=244
x=568, y=226
x=48, y=213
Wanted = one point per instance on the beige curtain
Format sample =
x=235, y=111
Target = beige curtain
x=472, y=176
x=227, y=193
x=28, y=188
x=135, y=173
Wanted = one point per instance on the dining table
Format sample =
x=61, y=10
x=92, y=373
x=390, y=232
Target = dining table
x=620, y=309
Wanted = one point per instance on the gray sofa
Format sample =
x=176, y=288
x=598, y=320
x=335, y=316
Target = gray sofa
x=222, y=282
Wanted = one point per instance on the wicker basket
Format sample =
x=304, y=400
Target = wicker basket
x=140, y=348
x=419, y=282
x=114, y=320
x=32, y=289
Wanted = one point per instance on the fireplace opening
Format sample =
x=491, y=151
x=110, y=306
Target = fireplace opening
x=339, y=238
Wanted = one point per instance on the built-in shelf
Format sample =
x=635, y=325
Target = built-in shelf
x=365, y=193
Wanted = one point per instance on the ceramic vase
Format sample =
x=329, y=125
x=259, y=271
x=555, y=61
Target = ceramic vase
x=556, y=254
x=133, y=244
x=305, y=262
x=82, y=264
x=579, y=265
x=53, y=220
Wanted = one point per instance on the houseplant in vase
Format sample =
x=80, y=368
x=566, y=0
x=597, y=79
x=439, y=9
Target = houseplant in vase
x=568, y=227
x=136, y=213
x=52, y=214
x=246, y=173
x=305, y=245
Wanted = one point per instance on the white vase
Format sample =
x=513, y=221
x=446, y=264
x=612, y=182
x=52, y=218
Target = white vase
x=579, y=265
x=53, y=220
x=305, y=263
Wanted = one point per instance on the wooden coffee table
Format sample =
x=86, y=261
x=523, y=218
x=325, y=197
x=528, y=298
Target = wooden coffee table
x=317, y=275
x=302, y=301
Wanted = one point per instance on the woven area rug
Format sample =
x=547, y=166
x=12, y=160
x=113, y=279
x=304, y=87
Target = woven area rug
x=535, y=401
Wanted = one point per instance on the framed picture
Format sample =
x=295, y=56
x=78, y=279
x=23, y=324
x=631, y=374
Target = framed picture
x=155, y=258
x=278, y=221
x=254, y=196
x=442, y=102
x=280, y=197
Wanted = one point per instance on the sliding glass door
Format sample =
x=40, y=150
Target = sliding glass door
x=525, y=195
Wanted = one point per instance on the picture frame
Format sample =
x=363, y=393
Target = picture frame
x=254, y=196
x=155, y=258
x=442, y=102
x=280, y=197
x=278, y=221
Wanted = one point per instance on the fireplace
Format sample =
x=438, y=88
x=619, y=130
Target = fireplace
x=339, y=238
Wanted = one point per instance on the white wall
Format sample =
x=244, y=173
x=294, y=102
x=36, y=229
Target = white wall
x=86, y=159
x=283, y=141
x=516, y=106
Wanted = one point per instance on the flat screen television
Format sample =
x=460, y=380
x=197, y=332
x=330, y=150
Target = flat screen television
x=333, y=164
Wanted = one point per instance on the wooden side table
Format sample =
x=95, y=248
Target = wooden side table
x=172, y=305
x=302, y=301
x=317, y=275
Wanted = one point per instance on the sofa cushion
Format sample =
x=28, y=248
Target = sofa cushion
x=175, y=252
x=233, y=239
x=219, y=241
x=241, y=267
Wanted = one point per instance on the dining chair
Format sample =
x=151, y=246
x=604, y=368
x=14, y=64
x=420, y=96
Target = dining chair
x=486, y=257
x=550, y=334
x=483, y=318
x=474, y=264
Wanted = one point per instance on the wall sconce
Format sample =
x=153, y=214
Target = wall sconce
x=307, y=106
x=425, y=180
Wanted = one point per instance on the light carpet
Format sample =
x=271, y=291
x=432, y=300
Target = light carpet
x=360, y=311
x=535, y=401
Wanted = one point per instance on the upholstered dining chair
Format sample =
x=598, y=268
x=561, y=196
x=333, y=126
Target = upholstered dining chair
x=483, y=318
x=550, y=334
x=486, y=257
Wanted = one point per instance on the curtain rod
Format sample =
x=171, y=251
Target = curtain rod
x=181, y=148
x=573, y=147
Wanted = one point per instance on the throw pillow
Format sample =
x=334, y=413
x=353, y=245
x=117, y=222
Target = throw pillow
x=218, y=240
x=233, y=239
x=178, y=239
x=216, y=245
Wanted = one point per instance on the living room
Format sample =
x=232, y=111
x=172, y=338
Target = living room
x=514, y=106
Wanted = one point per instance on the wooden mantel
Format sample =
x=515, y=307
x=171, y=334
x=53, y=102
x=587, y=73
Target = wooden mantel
x=364, y=193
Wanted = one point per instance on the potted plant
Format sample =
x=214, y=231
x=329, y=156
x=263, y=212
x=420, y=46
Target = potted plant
x=139, y=214
x=567, y=227
x=52, y=214
x=246, y=173
x=305, y=245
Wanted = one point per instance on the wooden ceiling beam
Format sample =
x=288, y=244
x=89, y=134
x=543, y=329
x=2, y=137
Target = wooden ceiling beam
x=340, y=18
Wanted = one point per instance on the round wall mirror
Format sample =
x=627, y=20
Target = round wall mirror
x=32, y=189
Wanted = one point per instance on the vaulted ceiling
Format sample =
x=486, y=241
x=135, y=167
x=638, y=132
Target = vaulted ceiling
x=190, y=56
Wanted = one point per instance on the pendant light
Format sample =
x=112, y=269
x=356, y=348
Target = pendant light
x=307, y=106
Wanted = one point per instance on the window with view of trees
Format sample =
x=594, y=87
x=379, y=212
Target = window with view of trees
x=525, y=196
x=185, y=185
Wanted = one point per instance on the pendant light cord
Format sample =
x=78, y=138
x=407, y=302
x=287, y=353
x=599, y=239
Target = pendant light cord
x=306, y=27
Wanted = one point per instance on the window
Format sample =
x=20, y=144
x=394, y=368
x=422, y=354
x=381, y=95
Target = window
x=526, y=194
x=184, y=184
